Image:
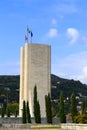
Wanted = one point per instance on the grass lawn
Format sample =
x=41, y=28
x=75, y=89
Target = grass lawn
x=45, y=127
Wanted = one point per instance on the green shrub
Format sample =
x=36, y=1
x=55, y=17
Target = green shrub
x=80, y=118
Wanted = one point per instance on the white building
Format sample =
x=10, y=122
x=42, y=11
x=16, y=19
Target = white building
x=35, y=69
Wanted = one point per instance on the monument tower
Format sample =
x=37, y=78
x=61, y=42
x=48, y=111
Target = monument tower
x=35, y=69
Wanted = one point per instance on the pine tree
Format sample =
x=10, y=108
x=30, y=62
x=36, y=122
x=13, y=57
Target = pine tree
x=37, y=115
x=61, y=109
x=74, y=111
x=48, y=108
x=24, y=113
x=28, y=113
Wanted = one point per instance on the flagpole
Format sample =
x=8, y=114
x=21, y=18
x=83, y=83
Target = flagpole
x=27, y=32
x=26, y=38
x=31, y=36
x=31, y=39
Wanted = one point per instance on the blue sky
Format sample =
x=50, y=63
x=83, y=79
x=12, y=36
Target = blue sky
x=59, y=23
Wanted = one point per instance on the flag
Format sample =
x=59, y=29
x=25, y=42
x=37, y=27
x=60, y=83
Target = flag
x=28, y=30
x=31, y=34
x=26, y=38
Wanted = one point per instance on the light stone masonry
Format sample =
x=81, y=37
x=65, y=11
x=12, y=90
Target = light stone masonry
x=35, y=69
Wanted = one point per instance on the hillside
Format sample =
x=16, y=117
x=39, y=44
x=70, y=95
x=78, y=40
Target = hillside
x=9, y=88
x=67, y=86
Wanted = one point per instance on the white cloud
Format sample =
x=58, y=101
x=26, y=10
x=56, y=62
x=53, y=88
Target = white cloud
x=83, y=76
x=54, y=22
x=52, y=33
x=72, y=67
x=73, y=34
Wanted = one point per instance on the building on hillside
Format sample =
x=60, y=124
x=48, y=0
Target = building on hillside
x=35, y=69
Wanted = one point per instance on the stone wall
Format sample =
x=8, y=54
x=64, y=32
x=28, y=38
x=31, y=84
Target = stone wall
x=70, y=126
x=9, y=120
x=18, y=120
x=29, y=127
x=67, y=126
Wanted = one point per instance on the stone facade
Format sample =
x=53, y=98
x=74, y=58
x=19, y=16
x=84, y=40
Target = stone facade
x=35, y=69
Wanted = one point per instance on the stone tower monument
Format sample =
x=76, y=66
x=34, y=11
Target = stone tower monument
x=35, y=69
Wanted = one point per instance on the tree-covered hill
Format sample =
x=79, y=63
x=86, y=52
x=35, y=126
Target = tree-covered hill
x=55, y=79
x=67, y=86
x=9, y=81
x=9, y=87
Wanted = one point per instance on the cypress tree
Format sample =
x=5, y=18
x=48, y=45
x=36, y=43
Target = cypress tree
x=83, y=107
x=28, y=113
x=8, y=112
x=16, y=113
x=74, y=111
x=24, y=113
x=37, y=115
x=2, y=112
x=61, y=109
x=48, y=108
x=35, y=103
